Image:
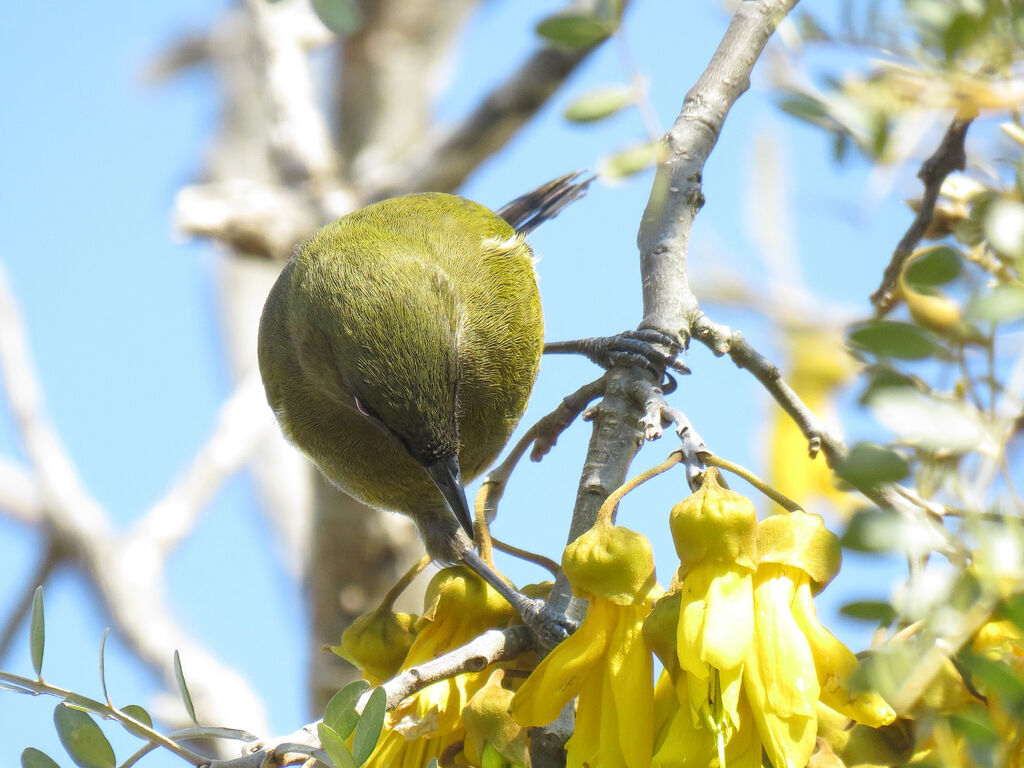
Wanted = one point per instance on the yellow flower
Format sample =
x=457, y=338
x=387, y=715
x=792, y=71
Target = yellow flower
x=606, y=662
x=714, y=533
x=459, y=607
x=754, y=662
x=1002, y=642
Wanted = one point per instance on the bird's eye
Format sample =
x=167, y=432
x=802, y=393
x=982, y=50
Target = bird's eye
x=363, y=409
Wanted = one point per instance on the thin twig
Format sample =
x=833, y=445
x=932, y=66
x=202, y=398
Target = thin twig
x=783, y=501
x=542, y=436
x=531, y=557
x=107, y=712
x=948, y=157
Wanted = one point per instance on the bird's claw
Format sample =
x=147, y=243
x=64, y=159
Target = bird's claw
x=640, y=348
x=548, y=625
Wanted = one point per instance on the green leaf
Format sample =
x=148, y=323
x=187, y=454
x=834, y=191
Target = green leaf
x=33, y=758
x=598, y=104
x=369, y=727
x=138, y=713
x=186, y=698
x=37, y=632
x=889, y=338
x=1003, y=303
x=335, y=747
x=937, y=265
x=574, y=30
x=871, y=530
x=342, y=17
x=808, y=109
x=340, y=714
x=926, y=421
x=962, y=31
x=868, y=464
x=629, y=161
x=82, y=738
x=976, y=726
x=870, y=610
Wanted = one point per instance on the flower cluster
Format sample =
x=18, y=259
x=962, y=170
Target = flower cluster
x=751, y=661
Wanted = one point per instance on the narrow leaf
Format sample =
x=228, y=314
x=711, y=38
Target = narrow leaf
x=138, y=713
x=869, y=464
x=82, y=738
x=629, y=161
x=369, y=727
x=340, y=714
x=574, y=30
x=37, y=632
x=33, y=758
x=183, y=688
x=870, y=610
x=1004, y=303
x=342, y=17
x=598, y=104
x=335, y=747
x=103, y=670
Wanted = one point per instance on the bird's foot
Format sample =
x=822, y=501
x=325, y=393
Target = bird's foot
x=548, y=625
x=641, y=348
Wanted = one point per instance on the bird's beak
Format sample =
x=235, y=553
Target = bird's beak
x=447, y=476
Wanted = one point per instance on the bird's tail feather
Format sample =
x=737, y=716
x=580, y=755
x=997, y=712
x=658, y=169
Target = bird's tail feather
x=529, y=211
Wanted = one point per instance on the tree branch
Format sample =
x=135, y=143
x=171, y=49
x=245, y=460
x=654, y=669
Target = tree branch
x=948, y=157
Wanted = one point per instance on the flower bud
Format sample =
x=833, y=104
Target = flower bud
x=714, y=523
x=377, y=642
x=611, y=563
x=490, y=726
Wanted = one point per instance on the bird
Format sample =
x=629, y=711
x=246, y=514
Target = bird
x=398, y=349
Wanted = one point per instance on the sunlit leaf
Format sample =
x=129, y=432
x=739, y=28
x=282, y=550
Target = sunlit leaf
x=998, y=679
x=869, y=464
x=872, y=530
x=342, y=17
x=138, y=713
x=574, y=30
x=962, y=31
x=369, y=727
x=598, y=104
x=933, y=266
x=34, y=758
x=1004, y=227
x=629, y=161
x=186, y=697
x=975, y=725
x=1004, y=303
x=82, y=738
x=870, y=610
x=340, y=713
x=37, y=631
x=934, y=423
x=889, y=338
x=808, y=109
x=335, y=747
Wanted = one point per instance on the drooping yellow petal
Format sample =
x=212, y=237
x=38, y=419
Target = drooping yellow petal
x=630, y=678
x=562, y=673
x=593, y=739
x=715, y=618
x=683, y=743
x=779, y=678
x=834, y=663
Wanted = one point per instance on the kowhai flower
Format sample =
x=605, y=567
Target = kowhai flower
x=606, y=663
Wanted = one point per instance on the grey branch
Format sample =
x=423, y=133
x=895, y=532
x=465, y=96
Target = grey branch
x=444, y=160
x=676, y=197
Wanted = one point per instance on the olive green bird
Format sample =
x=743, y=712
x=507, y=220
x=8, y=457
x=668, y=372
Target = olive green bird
x=398, y=349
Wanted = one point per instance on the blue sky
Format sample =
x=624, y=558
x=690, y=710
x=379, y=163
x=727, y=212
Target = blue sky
x=122, y=315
